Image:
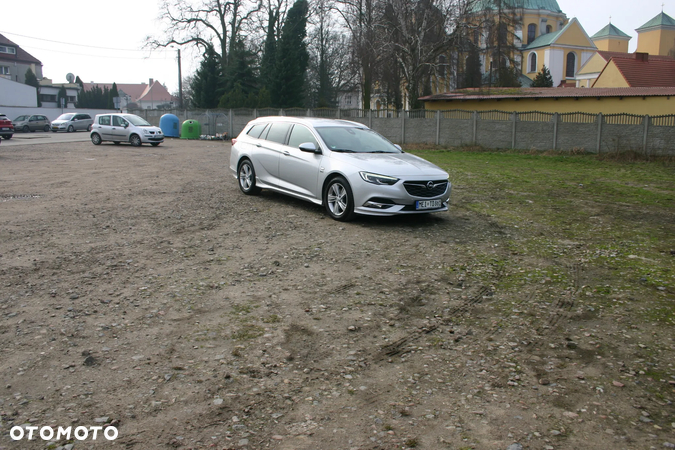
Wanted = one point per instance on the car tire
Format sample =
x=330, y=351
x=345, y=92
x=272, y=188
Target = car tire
x=339, y=200
x=71, y=129
x=247, y=178
x=25, y=129
x=96, y=139
x=135, y=140
x=47, y=128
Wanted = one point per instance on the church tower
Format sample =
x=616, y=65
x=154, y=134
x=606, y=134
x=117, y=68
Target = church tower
x=657, y=37
x=611, y=39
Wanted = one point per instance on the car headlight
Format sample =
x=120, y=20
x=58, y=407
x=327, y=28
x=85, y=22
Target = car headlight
x=378, y=179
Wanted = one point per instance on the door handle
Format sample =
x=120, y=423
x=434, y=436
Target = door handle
x=287, y=153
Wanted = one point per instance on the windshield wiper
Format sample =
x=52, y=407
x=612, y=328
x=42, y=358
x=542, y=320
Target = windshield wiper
x=342, y=150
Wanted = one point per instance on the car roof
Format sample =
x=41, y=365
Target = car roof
x=316, y=122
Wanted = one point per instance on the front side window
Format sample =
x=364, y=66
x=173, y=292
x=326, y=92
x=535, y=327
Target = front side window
x=118, y=121
x=300, y=135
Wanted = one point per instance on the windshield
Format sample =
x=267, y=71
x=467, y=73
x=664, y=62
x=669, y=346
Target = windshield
x=355, y=140
x=136, y=120
x=20, y=118
x=65, y=117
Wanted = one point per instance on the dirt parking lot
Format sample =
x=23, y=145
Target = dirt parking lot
x=140, y=289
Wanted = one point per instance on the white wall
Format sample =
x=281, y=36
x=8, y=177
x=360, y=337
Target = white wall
x=16, y=94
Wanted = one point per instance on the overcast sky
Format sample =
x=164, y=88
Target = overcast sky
x=102, y=41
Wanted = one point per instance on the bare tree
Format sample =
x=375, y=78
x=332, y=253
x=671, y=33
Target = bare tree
x=418, y=32
x=216, y=23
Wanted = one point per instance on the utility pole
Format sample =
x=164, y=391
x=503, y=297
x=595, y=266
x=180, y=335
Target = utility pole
x=180, y=84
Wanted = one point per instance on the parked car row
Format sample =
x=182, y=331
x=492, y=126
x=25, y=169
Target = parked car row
x=68, y=122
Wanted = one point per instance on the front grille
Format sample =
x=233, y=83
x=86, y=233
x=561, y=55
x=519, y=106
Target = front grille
x=421, y=188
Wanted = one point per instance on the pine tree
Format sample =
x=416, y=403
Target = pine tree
x=239, y=80
x=207, y=85
x=62, y=95
x=31, y=80
x=292, y=59
x=113, y=93
x=543, y=78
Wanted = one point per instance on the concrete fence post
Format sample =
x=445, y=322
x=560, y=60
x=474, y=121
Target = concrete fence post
x=555, y=130
x=255, y=113
x=339, y=113
x=370, y=118
x=402, y=126
x=644, y=139
x=514, y=116
x=438, y=127
x=231, y=124
x=600, y=119
x=475, y=128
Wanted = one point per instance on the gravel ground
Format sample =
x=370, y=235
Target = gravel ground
x=140, y=289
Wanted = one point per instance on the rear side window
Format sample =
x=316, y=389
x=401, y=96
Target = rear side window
x=256, y=130
x=104, y=120
x=299, y=135
x=278, y=132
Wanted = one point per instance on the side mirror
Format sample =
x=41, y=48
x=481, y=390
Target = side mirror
x=309, y=147
x=398, y=147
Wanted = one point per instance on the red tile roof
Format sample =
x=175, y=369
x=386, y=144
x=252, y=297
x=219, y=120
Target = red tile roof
x=512, y=93
x=609, y=55
x=155, y=92
x=649, y=73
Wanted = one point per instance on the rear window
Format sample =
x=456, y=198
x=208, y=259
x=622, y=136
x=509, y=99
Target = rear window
x=104, y=120
x=256, y=130
x=278, y=132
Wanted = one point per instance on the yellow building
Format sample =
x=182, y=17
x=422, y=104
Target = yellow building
x=657, y=37
x=611, y=39
x=652, y=101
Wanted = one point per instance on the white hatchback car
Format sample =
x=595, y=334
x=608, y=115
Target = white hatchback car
x=345, y=166
x=129, y=128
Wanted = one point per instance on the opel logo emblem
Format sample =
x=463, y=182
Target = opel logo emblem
x=430, y=185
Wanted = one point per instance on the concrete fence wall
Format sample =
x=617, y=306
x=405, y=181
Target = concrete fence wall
x=491, y=129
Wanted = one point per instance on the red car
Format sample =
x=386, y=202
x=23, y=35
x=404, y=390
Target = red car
x=6, y=127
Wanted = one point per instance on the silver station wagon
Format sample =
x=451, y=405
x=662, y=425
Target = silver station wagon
x=343, y=165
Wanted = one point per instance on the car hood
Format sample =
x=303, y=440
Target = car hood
x=59, y=122
x=392, y=164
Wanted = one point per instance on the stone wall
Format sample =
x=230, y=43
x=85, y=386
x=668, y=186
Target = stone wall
x=490, y=129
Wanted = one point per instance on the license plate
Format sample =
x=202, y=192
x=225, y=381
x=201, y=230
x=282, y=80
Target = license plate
x=5, y=129
x=427, y=204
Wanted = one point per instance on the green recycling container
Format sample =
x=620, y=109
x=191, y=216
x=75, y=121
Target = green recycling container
x=191, y=129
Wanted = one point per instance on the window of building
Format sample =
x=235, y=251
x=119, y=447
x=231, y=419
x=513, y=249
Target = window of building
x=533, y=62
x=5, y=49
x=570, y=70
x=531, y=33
x=549, y=28
x=47, y=98
x=4, y=70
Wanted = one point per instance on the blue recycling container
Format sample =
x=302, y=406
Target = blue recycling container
x=168, y=123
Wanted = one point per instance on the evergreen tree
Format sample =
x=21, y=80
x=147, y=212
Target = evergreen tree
x=239, y=80
x=472, y=69
x=292, y=59
x=113, y=93
x=31, y=80
x=62, y=95
x=269, y=57
x=543, y=78
x=207, y=85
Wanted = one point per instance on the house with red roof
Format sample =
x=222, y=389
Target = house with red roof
x=152, y=95
x=642, y=70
